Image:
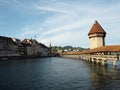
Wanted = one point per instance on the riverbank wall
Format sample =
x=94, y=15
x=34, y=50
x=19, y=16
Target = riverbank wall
x=21, y=57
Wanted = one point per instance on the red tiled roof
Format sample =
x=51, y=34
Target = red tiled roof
x=26, y=41
x=96, y=29
x=113, y=48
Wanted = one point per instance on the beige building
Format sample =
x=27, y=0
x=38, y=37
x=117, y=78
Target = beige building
x=29, y=47
x=97, y=36
x=45, y=51
x=34, y=48
x=10, y=47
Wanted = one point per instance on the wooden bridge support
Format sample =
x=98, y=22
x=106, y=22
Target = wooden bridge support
x=98, y=61
x=114, y=62
x=94, y=58
x=103, y=62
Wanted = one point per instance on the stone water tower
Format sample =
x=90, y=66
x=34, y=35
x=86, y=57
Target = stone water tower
x=97, y=36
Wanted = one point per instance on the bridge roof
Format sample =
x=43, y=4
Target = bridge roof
x=96, y=29
x=113, y=48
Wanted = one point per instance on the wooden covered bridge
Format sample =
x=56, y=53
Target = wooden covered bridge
x=98, y=55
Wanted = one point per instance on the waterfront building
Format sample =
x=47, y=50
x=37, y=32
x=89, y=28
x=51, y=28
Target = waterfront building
x=17, y=46
x=45, y=51
x=34, y=48
x=60, y=51
x=9, y=47
x=96, y=36
x=13, y=47
x=29, y=49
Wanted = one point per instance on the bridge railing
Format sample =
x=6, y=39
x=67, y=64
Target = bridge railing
x=109, y=57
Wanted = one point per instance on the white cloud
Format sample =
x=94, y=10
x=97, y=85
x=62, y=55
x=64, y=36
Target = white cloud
x=68, y=27
x=74, y=38
x=50, y=9
x=12, y=3
x=27, y=31
x=63, y=26
x=67, y=22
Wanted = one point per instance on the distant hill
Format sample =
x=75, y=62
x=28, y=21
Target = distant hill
x=57, y=49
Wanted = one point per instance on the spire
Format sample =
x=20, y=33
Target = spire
x=96, y=29
x=50, y=48
x=50, y=45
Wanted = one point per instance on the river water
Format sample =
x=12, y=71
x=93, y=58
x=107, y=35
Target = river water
x=57, y=74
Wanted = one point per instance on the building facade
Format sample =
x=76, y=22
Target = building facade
x=34, y=48
x=13, y=47
x=10, y=47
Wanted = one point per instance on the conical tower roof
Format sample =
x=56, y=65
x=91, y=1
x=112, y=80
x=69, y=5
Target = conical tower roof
x=96, y=29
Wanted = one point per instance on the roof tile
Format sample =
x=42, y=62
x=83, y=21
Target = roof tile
x=96, y=29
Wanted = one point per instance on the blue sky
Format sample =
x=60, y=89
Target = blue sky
x=59, y=22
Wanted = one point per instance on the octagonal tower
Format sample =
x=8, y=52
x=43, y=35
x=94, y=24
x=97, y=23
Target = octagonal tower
x=96, y=36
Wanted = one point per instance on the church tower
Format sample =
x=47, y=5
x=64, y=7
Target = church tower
x=97, y=36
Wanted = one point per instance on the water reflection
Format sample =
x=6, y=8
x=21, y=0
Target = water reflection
x=57, y=74
x=105, y=77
